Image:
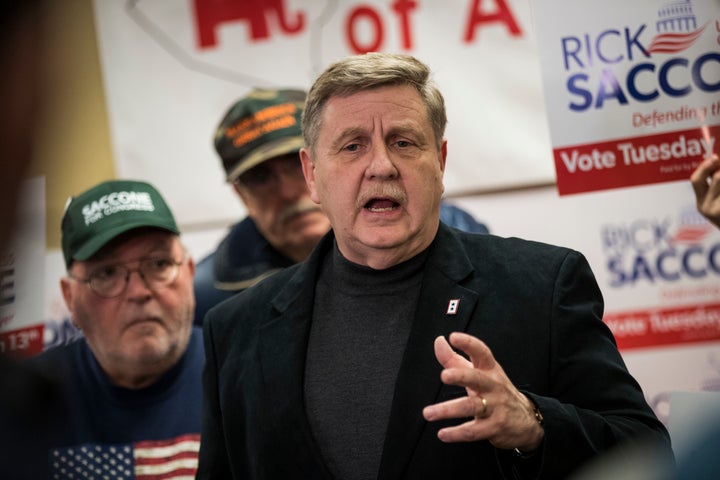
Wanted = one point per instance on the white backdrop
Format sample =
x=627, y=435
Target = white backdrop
x=167, y=88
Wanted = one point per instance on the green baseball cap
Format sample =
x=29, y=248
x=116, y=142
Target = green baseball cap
x=108, y=209
x=262, y=125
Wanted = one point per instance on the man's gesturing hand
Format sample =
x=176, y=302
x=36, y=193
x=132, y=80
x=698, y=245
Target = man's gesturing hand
x=497, y=411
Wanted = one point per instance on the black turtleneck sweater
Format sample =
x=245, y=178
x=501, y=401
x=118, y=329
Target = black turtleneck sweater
x=360, y=326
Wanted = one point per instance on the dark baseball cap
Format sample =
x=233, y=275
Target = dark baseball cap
x=108, y=209
x=262, y=125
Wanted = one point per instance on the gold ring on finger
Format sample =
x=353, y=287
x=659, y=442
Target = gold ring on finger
x=484, y=405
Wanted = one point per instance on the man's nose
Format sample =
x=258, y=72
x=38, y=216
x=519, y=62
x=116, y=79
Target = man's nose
x=136, y=284
x=381, y=164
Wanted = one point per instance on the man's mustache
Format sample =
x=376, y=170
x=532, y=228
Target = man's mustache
x=303, y=206
x=388, y=191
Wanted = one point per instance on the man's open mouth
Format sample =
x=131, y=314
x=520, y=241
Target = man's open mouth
x=381, y=205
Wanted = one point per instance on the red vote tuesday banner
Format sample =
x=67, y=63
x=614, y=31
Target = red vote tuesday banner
x=629, y=162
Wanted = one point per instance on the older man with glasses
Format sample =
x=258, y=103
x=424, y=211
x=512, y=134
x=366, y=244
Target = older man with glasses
x=133, y=380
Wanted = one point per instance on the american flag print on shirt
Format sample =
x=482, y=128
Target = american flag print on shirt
x=175, y=458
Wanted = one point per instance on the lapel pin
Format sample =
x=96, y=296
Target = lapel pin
x=452, y=306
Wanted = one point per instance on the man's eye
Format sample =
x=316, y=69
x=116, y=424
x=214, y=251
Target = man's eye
x=256, y=176
x=353, y=147
x=158, y=264
x=403, y=143
x=105, y=273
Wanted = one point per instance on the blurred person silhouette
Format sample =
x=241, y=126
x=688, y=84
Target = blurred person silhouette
x=326, y=369
x=132, y=380
x=21, y=51
x=258, y=140
x=30, y=406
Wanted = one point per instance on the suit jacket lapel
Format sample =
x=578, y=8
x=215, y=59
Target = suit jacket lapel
x=283, y=348
x=418, y=383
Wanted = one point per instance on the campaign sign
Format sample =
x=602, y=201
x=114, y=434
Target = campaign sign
x=663, y=273
x=632, y=89
x=21, y=273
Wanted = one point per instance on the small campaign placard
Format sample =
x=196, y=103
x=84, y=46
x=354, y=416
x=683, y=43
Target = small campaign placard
x=632, y=90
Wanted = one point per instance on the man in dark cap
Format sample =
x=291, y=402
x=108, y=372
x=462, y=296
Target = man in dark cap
x=258, y=141
x=132, y=381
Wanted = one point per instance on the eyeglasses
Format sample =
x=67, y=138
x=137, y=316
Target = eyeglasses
x=266, y=176
x=111, y=280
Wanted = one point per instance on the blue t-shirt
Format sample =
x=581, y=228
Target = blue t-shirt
x=115, y=432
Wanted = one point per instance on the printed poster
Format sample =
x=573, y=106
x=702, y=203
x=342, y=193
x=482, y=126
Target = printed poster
x=632, y=89
x=22, y=270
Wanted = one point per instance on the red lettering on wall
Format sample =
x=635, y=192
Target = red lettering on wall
x=478, y=18
x=359, y=14
x=210, y=14
x=403, y=9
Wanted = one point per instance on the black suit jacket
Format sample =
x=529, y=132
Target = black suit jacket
x=539, y=309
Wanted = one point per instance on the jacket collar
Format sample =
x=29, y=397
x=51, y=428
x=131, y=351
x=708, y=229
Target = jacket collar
x=447, y=258
x=244, y=257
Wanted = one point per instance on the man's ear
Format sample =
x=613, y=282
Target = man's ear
x=308, y=167
x=67, y=292
x=443, y=154
x=443, y=159
x=239, y=190
x=191, y=266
